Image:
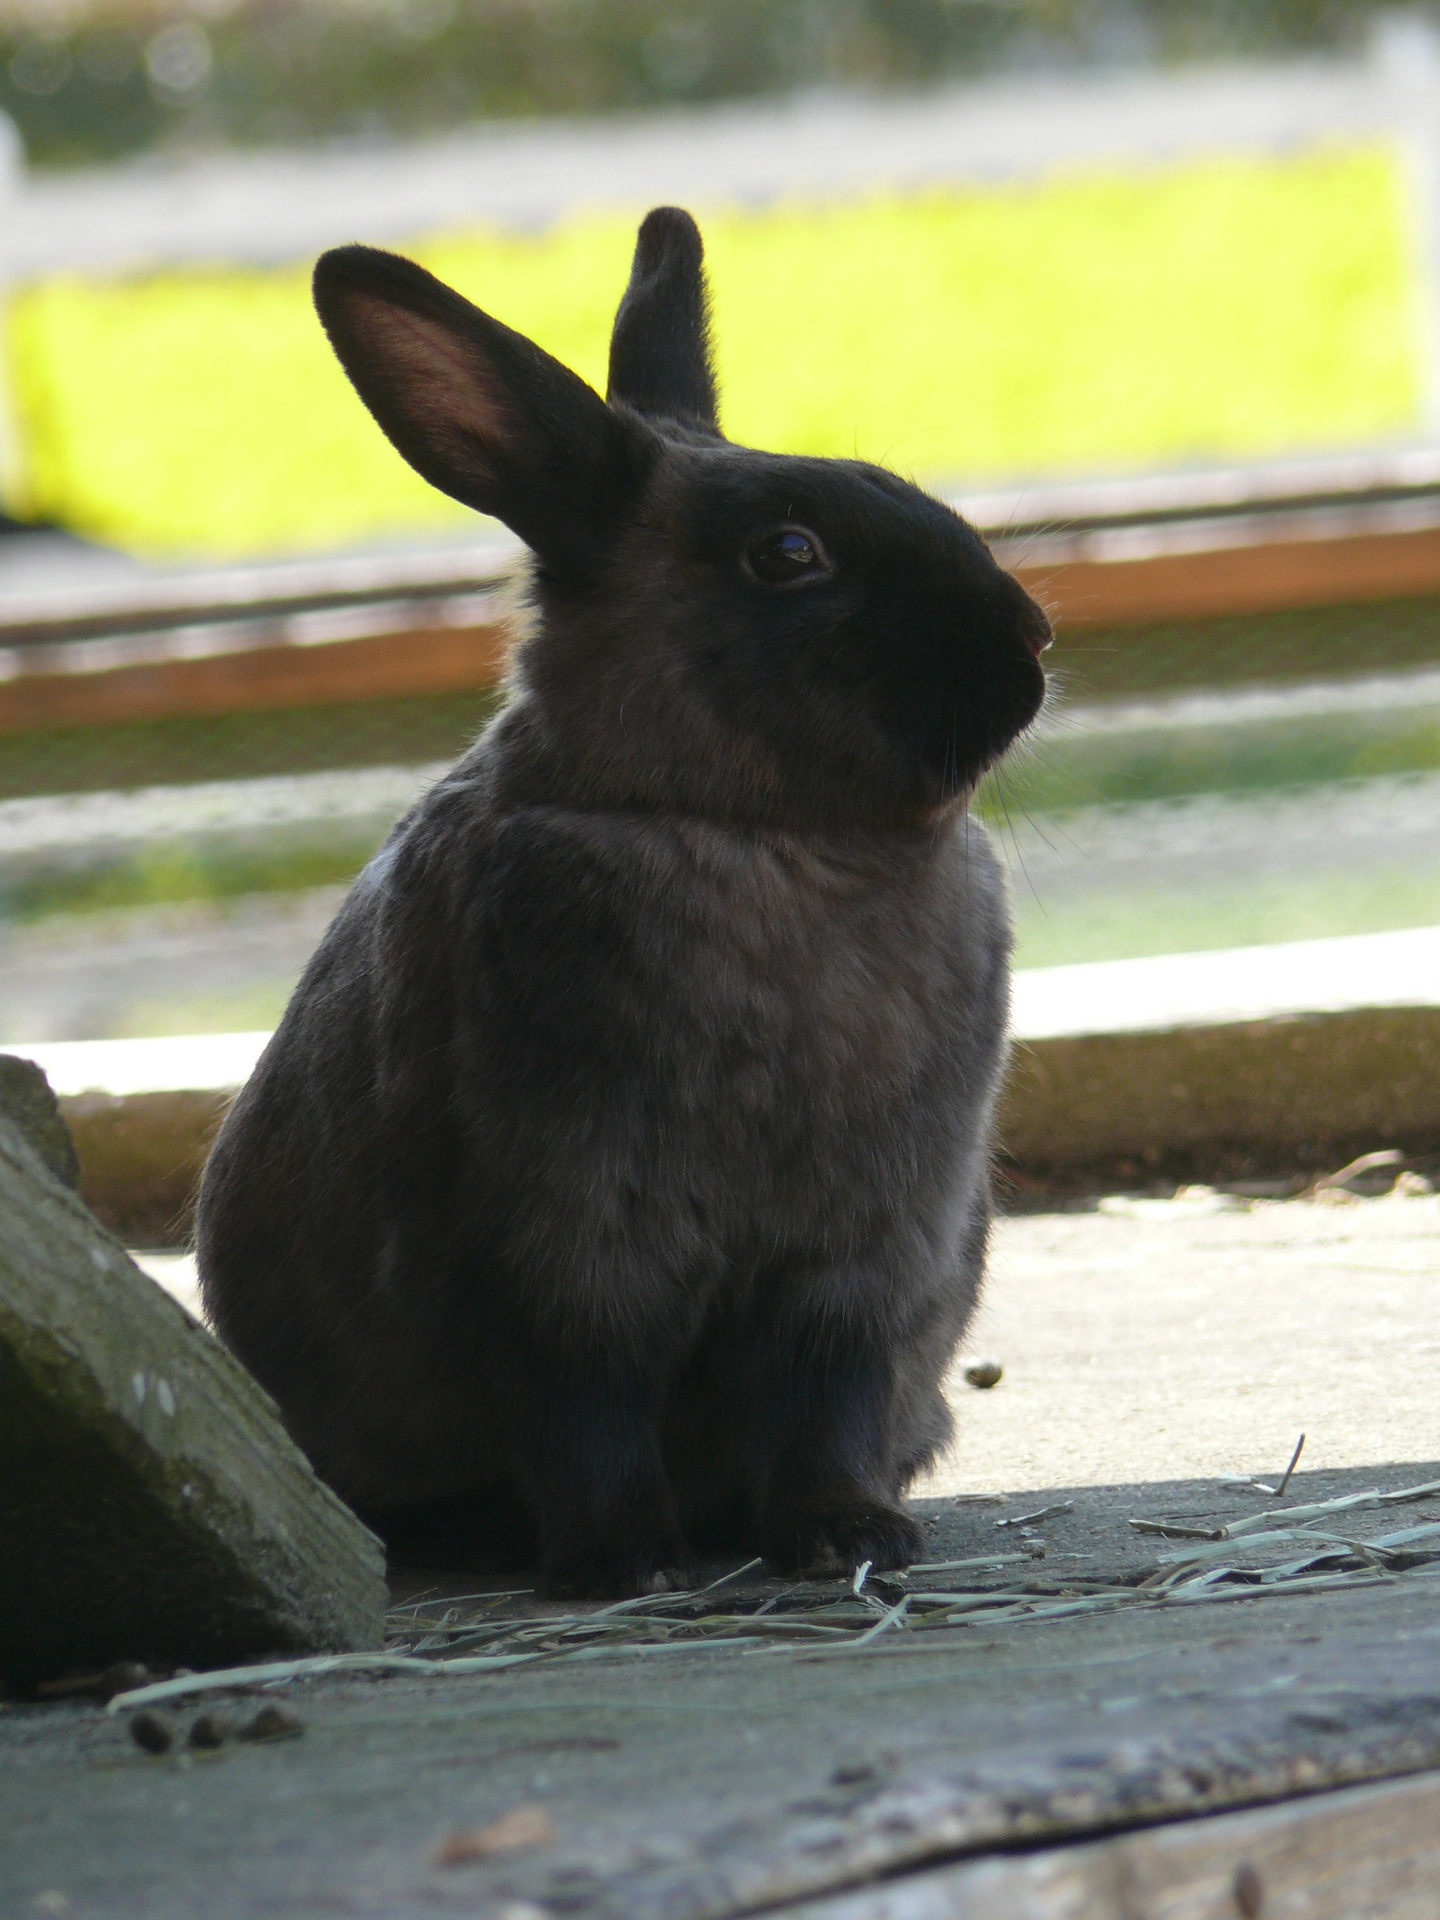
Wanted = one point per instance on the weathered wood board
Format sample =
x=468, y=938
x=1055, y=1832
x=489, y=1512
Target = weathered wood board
x=1369, y=1853
x=1306, y=1091
x=141, y=1156
x=1215, y=1103
x=232, y=670
x=715, y=1783
x=151, y=1503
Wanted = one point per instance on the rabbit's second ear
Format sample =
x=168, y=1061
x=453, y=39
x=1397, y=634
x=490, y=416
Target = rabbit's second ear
x=660, y=349
x=480, y=411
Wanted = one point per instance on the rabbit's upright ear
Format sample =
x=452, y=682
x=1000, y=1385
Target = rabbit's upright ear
x=480, y=411
x=660, y=349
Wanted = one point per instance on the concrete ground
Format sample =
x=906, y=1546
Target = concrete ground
x=1175, y=1344
x=1172, y=1342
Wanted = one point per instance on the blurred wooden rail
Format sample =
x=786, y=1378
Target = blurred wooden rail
x=1115, y=555
x=1241, y=579
x=1081, y=1113
x=414, y=656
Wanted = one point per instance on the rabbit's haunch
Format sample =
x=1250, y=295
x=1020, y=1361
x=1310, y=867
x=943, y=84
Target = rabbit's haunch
x=615, y=1187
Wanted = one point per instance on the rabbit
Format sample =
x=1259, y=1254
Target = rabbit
x=615, y=1188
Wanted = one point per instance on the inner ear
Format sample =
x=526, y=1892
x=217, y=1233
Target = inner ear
x=480, y=411
x=438, y=399
x=660, y=349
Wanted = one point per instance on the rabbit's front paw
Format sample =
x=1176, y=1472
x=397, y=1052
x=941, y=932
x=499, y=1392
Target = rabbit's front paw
x=837, y=1538
x=603, y=1570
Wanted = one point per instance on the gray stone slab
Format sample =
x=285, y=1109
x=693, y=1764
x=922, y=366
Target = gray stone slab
x=1175, y=1341
x=151, y=1504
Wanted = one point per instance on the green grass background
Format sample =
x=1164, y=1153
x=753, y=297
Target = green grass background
x=1199, y=916
x=1116, y=925
x=1223, y=307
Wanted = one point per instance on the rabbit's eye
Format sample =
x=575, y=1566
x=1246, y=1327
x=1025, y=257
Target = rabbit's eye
x=785, y=554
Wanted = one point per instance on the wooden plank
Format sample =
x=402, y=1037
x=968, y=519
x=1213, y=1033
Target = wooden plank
x=1275, y=1088
x=140, y=1158
x=27, y=1102
x=416, y=660
x=1371, y=1853
x=1200, y=1102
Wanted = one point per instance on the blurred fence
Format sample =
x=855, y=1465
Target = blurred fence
x=1244, y=742
x=1243, y=746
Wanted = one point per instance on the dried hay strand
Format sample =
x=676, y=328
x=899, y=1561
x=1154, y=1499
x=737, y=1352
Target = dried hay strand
x=481, y=1633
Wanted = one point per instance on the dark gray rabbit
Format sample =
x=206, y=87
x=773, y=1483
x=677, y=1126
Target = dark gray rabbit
x=616, y=1185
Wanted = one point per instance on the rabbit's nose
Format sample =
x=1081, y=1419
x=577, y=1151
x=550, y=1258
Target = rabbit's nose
x=1035, y=628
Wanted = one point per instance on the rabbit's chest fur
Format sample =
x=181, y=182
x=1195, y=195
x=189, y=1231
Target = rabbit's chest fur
x=688, y=1049
x=776, y=1037
x=607, y=1071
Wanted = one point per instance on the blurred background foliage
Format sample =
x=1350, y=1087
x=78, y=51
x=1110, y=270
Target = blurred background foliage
x=89, y=81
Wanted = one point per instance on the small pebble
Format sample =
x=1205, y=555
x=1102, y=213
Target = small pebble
x=123, y=1677
x=984, y=1373
x=854, y=1773
x=273, y=1722
x=152, y=1731
x=211, y=1730
x=1249, y=1891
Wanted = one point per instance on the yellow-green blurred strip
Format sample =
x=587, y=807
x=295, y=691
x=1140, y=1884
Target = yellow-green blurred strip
x=1222, y=307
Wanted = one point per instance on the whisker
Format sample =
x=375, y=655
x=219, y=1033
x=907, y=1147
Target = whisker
x=1013, y=835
